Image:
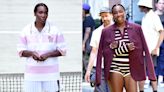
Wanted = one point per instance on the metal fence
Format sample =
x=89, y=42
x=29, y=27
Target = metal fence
x=13, y=82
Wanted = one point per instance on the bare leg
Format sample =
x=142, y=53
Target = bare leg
x=154, y=85
x=141, y=85
x=116, y=82
x=130, y=84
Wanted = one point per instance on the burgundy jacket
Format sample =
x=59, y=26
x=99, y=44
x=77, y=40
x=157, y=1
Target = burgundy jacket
x=137, y=60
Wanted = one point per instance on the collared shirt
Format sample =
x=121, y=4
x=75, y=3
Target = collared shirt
x=151, y=25
x=95, y=39
x=49, y=39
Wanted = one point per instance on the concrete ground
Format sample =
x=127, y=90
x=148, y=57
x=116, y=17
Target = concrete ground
x=87, y=88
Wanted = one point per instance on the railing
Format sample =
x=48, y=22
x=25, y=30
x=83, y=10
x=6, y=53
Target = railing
x=13, y=82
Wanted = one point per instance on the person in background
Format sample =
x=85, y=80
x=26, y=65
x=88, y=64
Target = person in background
x=88, y=27
x=153, y=32
x=41, y=43
x=121, y=47
x=107, y=20
x=160, y=63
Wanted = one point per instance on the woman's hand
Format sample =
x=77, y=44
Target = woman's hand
x=130, y=46
x=35, y=56
x=43, y=57
x=114, y=45
x=39, y=58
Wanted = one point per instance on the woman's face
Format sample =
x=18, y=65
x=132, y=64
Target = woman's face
x=160, y=5
x=41, y=14
x=118, y=14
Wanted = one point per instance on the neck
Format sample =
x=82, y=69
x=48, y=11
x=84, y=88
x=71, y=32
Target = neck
x=106, y=24
x=121, y=25
x=158, y=12
x=39, y=25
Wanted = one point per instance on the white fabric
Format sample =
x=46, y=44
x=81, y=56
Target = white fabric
x=151, y=26
x=146, y=3
x=95, y=39
x=49, y=39
x=42, y=77
x=38, y=86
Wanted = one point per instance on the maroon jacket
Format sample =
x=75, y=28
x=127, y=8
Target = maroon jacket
x=136, y=59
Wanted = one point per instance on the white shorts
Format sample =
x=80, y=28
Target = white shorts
x=41, y=86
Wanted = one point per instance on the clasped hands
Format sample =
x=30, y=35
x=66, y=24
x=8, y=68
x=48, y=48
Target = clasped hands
x=114, y=45
x=39, y=58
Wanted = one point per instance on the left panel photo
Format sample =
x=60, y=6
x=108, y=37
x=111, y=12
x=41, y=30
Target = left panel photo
x=41, y=44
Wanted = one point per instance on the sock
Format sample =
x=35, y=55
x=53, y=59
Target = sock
x=141, y=91
x=154, y=91
x=160, y=79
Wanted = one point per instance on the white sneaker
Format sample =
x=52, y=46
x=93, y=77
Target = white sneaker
x=146, y=86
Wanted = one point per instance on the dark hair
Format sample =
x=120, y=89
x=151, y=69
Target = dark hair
x=40, y=4
x=87, y=11
x=156, y=1
x=118, y=5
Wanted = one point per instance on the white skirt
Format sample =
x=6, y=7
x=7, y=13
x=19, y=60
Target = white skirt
x=41, y=86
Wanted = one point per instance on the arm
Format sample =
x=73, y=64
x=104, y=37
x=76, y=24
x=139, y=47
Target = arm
x=92, y=57
x=160, y=40
x=158, y=27
x=33, y=54
x=26, y=53
x=86, y=36
x=54, y=53
x=60, y=49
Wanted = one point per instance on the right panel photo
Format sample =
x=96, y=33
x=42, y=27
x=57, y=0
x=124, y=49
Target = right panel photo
x=122, y=45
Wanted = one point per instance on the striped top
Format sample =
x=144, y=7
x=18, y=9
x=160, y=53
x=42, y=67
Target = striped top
x=121, y=53
x=122, y=39
x=49, y=39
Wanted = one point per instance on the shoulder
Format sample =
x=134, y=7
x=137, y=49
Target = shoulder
x=108, y=31
x=100, y=28
x=53, y=28
x=97, y=31
x=89, y=20
x=153, y=14
x=134, y=25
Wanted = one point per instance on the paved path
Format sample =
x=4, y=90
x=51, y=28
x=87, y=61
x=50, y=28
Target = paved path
x=86, y=88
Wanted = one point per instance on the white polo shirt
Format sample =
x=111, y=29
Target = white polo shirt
x=151, y=25
x=49, y=39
